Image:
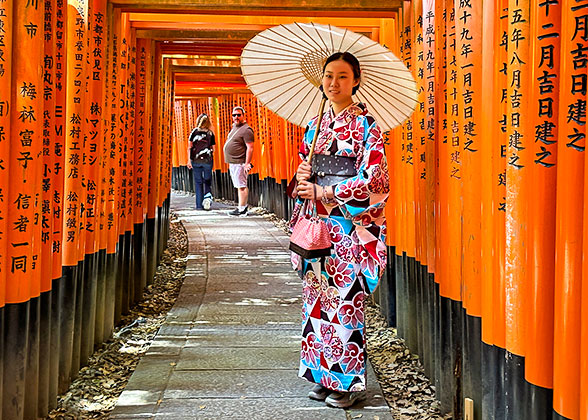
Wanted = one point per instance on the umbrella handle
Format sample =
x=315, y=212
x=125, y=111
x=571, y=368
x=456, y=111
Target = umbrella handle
x=318, y=127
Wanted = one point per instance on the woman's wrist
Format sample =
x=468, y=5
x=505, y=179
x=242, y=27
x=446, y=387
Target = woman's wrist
x=328, y=195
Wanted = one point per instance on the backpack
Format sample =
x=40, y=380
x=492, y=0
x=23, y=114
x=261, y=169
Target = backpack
x=200, y=145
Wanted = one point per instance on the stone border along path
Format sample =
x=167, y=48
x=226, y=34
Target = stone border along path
x=229, y=348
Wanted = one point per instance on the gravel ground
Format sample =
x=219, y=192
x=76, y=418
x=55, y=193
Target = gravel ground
x=93, y=394
x=407, y=390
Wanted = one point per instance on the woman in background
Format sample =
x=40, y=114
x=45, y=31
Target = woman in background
x=201, y=150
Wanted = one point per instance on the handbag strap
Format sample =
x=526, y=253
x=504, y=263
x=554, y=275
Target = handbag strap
x=308, y=208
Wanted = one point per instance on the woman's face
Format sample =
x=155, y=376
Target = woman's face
x=338, y=82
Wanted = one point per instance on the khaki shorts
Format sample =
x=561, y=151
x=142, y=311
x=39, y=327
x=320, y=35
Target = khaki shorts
x=238, y=175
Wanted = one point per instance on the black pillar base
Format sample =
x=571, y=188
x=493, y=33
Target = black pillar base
x=16, y=324
x=67, y=299
x=32, y=364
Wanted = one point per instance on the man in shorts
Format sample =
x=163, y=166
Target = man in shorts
x=238, y=153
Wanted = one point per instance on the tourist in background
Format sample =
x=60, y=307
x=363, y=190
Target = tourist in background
x=238, y=153
x=201, y=151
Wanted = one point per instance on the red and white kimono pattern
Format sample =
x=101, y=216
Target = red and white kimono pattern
x=333, y=344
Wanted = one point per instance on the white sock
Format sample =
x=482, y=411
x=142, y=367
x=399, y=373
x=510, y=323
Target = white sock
x=241, y=208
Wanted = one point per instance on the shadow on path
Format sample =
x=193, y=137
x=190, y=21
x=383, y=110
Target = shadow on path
x=229, y=348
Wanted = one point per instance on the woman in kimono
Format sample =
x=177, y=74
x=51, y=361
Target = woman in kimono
x=333, y=352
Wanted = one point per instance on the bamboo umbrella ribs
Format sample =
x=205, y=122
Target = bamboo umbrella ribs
x=283, y=68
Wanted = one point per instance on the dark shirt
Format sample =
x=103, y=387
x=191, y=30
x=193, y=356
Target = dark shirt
x=235, y=149
x=202, y=142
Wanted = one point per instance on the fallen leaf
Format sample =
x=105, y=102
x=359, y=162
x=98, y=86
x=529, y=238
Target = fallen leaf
x=95, y=391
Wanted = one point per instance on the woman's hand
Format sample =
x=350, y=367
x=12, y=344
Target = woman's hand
x=189, y=165
x=303, y=172
x=308, y=190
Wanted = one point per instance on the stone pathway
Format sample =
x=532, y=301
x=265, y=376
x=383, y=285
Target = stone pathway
x=230, y=346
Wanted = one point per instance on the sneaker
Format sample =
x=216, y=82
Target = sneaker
x=236, y=211
x=344, y=399
x=318, y=392
x=206, y=203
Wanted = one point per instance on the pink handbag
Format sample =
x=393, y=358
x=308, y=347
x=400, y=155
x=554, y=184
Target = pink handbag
x=310, y=236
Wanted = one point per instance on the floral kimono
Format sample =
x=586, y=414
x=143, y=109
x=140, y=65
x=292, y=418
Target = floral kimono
x=333, y=344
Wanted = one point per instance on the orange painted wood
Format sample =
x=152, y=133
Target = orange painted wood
x=155, y=155
x=400, y=168
x=59, y=139
x=469, y=84
x=569, y=222
x=489, y=155
x=130, y=103
x=95, y=111
x=175, y=135
x=169, y=108
x=115, y=133
x=164, y=143
x=83, y=166
x=104, y=173
x=100, y=35
x=142, y=137
x=542, y=192
x=166, y=117
x=124, y=207
x=584, y=321
x=409, y=154
x=74, y=192
x=279, y=148
x=47, y=203
x=419, y=137
x=430, y=122
x=263, y=119
x=6, y=41
x=35, y=78
x=584, y=335
x=220, y=115
x=392, y=141
x=157, y=188
x=82, y=39
x=184, y=132
x=517, y=174
x=441, y=129
x=405, y=30
x=150, y=115
x=499, y=142
x=25, y=164
x=450, y=173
